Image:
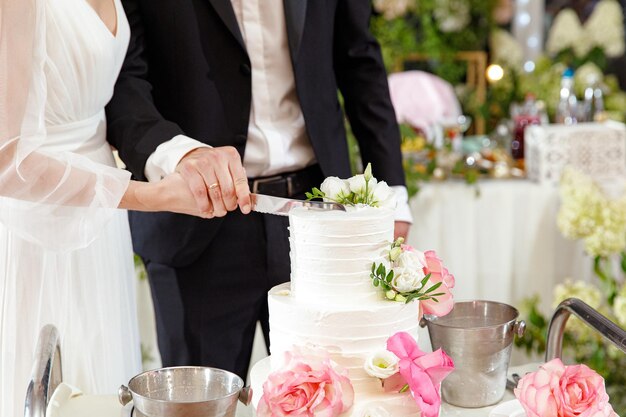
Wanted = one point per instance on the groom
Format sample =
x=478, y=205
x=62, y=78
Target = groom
x=261, y=76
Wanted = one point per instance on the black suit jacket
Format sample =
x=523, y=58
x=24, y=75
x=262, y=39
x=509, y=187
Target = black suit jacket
x=187, y=72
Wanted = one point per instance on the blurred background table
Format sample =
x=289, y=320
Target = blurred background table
x=498, y=237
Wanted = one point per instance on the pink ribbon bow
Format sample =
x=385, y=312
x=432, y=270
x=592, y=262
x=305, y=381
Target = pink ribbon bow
x=423, y=372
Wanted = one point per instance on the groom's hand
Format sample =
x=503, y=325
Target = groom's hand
x=217, y=180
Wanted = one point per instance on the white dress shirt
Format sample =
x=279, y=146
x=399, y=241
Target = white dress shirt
x=277, y=139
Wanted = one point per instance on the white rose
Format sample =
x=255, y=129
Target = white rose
x=381, y=364
x=407, y=279
x=384, y=196
x=357, y=183
x=334, y=188
x=411, y=260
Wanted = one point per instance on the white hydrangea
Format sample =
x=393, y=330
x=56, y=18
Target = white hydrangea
x=605, y=28
x=578, y=289
x=565, y=32
x=580, y=201
x=391, y=9
x=619, y=309
x=586, y=75
x=587, y=213
x=452, y=15
x=583, y=291
x=505, y=49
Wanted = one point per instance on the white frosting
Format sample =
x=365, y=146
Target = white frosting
x=349, y=335
x=332, y=253
x=332, y=304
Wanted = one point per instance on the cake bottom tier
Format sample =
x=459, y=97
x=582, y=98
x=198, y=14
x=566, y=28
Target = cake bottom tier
x=371, y=403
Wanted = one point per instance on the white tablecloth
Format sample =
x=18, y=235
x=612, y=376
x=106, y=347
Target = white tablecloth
x=499, y=238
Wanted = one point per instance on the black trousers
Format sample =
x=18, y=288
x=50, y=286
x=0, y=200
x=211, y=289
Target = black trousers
x=206, y=312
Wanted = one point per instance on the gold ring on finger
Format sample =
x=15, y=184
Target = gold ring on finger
x=214, y=185
x=241, y=180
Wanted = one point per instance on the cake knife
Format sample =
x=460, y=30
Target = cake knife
x=281, y=206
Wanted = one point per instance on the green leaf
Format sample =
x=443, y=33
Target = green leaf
x=389, y=276
x=381, y=270
x=434, y=287
x=439, y=294
x=376, y=282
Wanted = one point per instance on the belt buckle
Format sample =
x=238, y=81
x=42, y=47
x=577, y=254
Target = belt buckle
x=267, y=180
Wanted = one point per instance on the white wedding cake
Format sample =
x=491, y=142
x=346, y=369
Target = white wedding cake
x=332, y=304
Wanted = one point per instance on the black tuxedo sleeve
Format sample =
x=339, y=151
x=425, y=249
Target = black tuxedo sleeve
x=135, y=126
x=362, y=80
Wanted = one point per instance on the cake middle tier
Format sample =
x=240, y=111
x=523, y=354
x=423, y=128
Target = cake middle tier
x=349, y=334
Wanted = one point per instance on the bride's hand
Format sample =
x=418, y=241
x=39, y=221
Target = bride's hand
x=172, y=194
x=217, y=179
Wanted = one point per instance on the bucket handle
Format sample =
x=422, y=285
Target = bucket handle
x=124, y=395
x=245, y=395
x=519, y=328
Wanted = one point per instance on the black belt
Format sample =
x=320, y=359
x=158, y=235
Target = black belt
x=289, y=184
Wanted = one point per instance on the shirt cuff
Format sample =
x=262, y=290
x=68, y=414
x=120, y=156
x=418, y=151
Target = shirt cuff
x=403, y=211
x=167, y=155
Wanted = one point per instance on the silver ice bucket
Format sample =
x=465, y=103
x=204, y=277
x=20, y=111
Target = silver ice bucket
x=186, y=391
x=478, y=336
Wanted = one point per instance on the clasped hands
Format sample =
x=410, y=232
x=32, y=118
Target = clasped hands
x=209, y=182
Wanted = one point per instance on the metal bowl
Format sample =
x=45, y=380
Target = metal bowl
x=186, y=391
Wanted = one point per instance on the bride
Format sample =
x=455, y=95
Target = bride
x=66, y=255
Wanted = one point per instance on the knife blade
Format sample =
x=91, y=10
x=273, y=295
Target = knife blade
x=281, y=206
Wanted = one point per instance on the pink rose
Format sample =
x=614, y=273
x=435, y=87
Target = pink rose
x=535, y=391
x=445, y=302
x=423, y=372
x=564, y=391
x=580, y=390
x=307, y=386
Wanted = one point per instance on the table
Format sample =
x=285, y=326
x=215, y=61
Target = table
x=108, y=405
x=499, y=238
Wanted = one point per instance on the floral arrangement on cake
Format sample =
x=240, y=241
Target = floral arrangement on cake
x=408, y=274
x=564, y=391
x=361, y=189
x=403, y=366
x=587, y=213
x=308, y=384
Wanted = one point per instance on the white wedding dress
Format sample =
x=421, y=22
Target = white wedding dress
x=65, y=251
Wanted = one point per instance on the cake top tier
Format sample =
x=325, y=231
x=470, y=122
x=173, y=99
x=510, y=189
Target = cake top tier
x=332, y=253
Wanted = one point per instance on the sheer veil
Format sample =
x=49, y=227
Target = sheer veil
x=57, y=199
